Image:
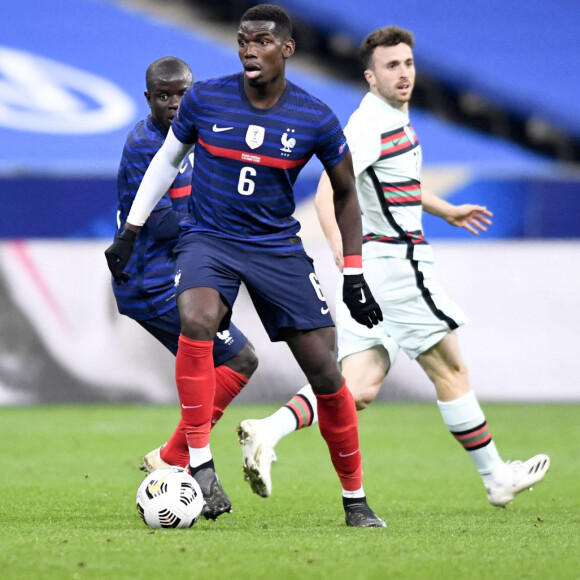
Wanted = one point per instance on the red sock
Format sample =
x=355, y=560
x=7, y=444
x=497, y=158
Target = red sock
x=339, y=426
x=195, y=378
x=228, y=384
x=176, y=451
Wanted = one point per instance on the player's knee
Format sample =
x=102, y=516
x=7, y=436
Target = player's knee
x=198, y=325
x=364, y=395
x=326, y=382
x=362, y=403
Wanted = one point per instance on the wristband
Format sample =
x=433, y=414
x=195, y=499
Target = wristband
x=351, y=271
x=352, y=265
x=353, y=261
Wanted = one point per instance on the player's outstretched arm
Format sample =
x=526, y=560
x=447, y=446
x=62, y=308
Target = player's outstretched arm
x=474, y=218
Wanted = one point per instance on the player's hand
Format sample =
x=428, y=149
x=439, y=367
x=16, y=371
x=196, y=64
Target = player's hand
x=357, y=296
x=118, y=254
x=474, y=218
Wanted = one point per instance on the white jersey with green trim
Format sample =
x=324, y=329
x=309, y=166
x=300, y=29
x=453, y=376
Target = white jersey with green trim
x=387, y=164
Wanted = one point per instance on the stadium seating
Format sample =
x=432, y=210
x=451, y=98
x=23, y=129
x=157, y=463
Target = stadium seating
x=73, y=92
x=71, y=87
x=519, y=54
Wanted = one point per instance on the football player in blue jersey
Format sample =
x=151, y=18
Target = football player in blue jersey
x=253, y=132
x=146, y=292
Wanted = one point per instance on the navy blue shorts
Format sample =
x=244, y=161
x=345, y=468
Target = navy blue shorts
x=281, y=281
x=167, y=327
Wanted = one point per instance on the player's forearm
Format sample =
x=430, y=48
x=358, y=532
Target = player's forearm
x=349, y=223
x=157, y=179
x=324, y=204
x=434, y=205
x=346, y=207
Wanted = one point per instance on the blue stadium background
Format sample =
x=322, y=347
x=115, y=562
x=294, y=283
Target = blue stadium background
x=71, y=88
x=61, y=183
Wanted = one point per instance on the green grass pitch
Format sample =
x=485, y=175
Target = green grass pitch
x=69, y=477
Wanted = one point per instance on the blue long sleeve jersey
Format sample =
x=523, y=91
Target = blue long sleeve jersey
x=150, y=291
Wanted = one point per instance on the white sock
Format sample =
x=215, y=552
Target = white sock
x=301, y=411
x=198, y=456
x=466, y=421
x=358, y=493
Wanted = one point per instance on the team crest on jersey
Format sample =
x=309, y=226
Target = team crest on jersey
x=288, y=142
x=255, y=136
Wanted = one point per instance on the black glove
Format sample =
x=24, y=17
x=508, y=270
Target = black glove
x=118, y=254
x=357, y=296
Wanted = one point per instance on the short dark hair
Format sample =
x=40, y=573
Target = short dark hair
x=166, y=66
x=271, y=13
x=386, y=36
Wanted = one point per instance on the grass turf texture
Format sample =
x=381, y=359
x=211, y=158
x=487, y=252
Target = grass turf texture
x=69, y=478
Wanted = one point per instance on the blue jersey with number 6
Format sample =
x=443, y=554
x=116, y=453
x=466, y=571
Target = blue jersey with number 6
x=247, y=159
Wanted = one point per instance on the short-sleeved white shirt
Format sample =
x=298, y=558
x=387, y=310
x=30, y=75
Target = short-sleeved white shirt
x=387, y=164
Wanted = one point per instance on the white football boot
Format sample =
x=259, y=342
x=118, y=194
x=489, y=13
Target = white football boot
x=513, y=477
x=258, y=454
x=153, y=461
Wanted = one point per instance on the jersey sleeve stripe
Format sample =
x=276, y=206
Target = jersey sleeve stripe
x=179, y=191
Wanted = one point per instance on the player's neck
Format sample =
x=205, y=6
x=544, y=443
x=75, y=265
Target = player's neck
x=401, y=106
x=265, y=96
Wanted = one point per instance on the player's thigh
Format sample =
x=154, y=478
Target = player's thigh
x=285, y=291
x=204, y=261
x=417, y=312
x=207, y=264
x=443, y=357
x=353, y=337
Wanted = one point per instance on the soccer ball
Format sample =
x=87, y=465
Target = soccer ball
x=169, y=498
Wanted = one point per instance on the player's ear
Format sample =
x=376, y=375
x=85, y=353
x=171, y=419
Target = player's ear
x=370, y=77
x=148, y=97
x=288, y=48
